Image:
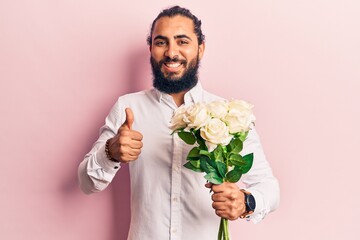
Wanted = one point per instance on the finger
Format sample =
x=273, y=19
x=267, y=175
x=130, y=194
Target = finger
x=219, y=206
x=135, y=135
x=225, y=187
x=129, y=147
x=129, y=118
x=132, y=158
x=226, y=215
x=222, y=213
x=134, y=152
x=136, y=144
x=127, y=157
x=219, y=213
x=217, y=188
x=216, y=197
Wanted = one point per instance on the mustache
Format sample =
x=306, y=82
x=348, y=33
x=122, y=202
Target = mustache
x=174, y=59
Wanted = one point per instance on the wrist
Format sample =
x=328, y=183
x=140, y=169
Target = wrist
x=108, y=153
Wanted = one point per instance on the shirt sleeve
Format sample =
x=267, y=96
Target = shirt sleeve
x=260, y=181
x=95, y=172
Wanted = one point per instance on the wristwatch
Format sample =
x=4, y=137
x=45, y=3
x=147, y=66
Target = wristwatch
x=250, y=204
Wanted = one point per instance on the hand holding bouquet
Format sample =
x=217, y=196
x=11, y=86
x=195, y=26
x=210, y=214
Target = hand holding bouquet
x=219, y=129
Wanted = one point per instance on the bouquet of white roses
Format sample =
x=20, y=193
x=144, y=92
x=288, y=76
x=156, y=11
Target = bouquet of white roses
x=219, y=128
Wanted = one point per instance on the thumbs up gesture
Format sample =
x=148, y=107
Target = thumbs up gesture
x=126, y=145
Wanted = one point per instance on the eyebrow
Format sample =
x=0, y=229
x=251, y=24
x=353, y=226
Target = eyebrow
x=183, y=36
x=175, y=37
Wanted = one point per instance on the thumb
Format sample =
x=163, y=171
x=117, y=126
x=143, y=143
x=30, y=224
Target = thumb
x=129, y=118
x=209, y=185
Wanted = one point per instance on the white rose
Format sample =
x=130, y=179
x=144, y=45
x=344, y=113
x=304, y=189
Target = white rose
x=240, y=105
x=218, y=109
x=177, y=121
x=215, y=132
x=196, y=116
x=239, y=117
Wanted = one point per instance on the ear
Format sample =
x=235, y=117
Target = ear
x=150, y=48
x=201, y=50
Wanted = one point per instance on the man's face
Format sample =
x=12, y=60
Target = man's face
x=175, y=54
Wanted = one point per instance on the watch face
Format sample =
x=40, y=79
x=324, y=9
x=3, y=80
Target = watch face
x=250, y=202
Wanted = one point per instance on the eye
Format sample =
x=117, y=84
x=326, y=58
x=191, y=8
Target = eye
x=183, y=42
x=160, y=43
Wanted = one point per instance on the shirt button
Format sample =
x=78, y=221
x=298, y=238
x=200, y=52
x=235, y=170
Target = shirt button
x=177, y=169
x=174, y=230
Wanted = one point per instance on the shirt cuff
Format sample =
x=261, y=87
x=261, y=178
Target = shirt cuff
x=107, y=165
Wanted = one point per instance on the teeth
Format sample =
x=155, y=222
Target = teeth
x=172, y=65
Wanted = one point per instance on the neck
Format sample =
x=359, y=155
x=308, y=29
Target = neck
x=178, y=97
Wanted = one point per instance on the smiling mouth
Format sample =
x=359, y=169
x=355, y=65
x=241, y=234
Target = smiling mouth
x=172, y=66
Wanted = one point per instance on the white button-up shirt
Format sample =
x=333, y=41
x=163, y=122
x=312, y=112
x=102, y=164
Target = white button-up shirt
x=169, y=201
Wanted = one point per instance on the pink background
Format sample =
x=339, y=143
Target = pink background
x=64, y=63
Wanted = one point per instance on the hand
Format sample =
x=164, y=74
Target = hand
x=228, y=200
x=126, y=145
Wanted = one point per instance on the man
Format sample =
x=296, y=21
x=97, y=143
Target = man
x=169, y=201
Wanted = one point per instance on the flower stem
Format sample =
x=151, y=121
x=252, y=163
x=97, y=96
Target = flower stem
x=221, y=230
x=226, y=230
x=223, y=233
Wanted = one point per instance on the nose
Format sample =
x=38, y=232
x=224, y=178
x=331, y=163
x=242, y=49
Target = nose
x=172, y=50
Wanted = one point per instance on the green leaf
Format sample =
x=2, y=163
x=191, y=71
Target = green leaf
x=204, y=165
x=234, y=175
x=249, y=161
x=187, y=137
x=236, y=145
x=200, y=140
x=190, y=165
x=193, y=154
x=195, y=163
x=205, y=152
x=243, y=135
x=207, y=165
x=177, y=130
x=221, y=167
x=211, y=162
x=214, y=178
x=192, y=158
x=218, y=153
x=228, y=147
x=237, y=160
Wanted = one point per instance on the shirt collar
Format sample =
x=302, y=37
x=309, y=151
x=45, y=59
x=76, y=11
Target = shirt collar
x=192, y=96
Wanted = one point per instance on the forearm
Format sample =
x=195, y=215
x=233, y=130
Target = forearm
x=95, y=172
x=260, y=181
x=267, y=197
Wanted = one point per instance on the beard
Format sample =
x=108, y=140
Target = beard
x=172, y=84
